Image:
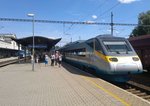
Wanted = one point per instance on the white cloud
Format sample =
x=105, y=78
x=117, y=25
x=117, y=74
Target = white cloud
x=127, y=1
x=94, y=16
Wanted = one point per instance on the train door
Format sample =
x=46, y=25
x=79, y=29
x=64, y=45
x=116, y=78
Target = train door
x=99, y=55
x=90, y=51
x=96, y=47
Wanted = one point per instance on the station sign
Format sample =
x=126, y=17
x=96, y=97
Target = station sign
x=37, y=46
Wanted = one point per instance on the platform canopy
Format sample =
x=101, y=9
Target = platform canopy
x=40, y=42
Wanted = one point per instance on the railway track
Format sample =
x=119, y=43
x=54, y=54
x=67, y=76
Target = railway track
x=139, y=85
x=137, y=89
x=4, y=63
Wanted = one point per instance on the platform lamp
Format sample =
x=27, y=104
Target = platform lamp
x=32, y=15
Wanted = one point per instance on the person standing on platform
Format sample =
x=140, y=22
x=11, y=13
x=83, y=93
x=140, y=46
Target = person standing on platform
x=32, y=59
x=59, y=59
x=52, y=59
x=46, y=60
x=37, y=59
x=56, y=57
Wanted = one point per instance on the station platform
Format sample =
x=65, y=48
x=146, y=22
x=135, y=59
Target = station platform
x=59, y=86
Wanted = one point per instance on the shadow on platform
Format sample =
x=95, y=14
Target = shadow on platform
x=75, y=70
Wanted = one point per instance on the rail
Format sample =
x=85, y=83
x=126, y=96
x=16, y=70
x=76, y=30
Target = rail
x=7, y=62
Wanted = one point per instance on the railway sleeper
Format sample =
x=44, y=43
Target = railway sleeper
x=139, y=86
x=143, y=94
x=146, y=97
x=136, y=92
x=131, y=89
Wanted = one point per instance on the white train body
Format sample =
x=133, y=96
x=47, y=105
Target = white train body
x=112, y=57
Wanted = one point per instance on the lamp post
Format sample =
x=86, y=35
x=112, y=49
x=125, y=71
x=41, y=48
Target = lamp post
x=33, y=60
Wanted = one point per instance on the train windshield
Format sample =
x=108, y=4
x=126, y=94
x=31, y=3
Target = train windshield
x=117, y=46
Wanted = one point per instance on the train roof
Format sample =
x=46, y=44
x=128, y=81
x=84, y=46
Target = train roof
x=109, y=37
x=79, y=41
x=72, y=43
x=76, y=42
x=103, y=37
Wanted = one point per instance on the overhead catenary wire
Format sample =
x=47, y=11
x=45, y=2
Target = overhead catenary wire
x=118, y=3
x=111, y=24
x=90, y=14
x=96, y=9
x=50, y=21
x=68, y=22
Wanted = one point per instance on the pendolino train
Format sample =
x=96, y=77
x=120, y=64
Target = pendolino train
x=109, y=57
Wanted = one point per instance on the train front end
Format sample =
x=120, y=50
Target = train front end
x=122, y=59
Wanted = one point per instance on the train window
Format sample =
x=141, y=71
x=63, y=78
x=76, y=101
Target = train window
x=98, y=46
x=77, y=52
x=117, y=46
x=81, y=52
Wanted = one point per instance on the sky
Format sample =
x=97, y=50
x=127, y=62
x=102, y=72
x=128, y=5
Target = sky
x=124, y=11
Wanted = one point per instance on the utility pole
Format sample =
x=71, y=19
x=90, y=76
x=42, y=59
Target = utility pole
x=71, y=39
x=33, y=58
x=63, y=28
x=112, y=24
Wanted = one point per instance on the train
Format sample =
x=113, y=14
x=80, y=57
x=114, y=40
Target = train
x=141, y=45
x=112, y=58
x=22, y=54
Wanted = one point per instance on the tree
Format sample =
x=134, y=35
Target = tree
x=143, y=19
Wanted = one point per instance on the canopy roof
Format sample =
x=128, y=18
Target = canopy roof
x=39, y=42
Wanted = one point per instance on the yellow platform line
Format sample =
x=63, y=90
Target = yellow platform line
x=108, y=92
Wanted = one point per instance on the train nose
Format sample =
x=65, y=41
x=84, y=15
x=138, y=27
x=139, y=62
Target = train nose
x=127, y=68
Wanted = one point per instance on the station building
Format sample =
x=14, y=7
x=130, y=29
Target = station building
x=10, y=46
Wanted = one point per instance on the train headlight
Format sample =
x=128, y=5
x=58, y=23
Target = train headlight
x=135, y=58
x=113, y=59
